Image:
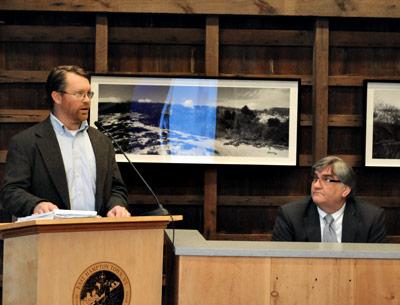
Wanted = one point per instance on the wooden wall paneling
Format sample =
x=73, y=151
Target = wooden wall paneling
x=212, y=46
x=157, y=35
x=320, y=89
x=365, y=39
x=3, y=154
x=101, y=48
x=210, y=174
x=22, y=76
x=356, y=8
x=22, y=115
x=270, y=37
x=156, y=59
x=2, y=54
x=346, y=141
x=43, y=33
x=277, y=61
x=159, y=50
x=280, y=49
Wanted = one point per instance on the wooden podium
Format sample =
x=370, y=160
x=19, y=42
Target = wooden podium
x=84, y=261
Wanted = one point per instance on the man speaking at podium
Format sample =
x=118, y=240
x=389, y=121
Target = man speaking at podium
x=62, y=162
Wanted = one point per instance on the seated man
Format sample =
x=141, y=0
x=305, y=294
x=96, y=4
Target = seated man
x=331, y=214
x=62, y=162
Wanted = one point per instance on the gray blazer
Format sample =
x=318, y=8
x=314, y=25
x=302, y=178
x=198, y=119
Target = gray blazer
x=299, y=221
x=34, y=172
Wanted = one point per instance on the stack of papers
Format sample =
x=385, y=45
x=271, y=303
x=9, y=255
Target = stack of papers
x=57, y=214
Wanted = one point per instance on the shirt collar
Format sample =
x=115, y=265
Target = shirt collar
x=335, y=215
x=62, y=129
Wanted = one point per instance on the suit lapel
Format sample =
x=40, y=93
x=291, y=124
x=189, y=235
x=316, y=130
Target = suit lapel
x=350, y=223
x=50, y=151
x=101, y=163
x=311, y=223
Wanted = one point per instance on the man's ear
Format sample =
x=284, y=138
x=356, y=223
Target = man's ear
x=346, y=191
x=56, y=97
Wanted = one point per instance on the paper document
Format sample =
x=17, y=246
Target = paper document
x=57, y=214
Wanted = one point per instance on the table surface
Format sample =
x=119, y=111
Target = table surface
x=192, y=243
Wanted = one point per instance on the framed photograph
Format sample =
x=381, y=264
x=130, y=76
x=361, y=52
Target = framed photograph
x=382, y=139
x=199, y=120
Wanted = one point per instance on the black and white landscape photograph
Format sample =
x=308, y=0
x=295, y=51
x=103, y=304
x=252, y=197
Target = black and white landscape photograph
x=188, y=120
x=383, y=124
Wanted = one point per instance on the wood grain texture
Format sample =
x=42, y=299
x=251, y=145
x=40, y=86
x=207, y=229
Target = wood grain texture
x=22, y=115
x=285, y=281
x=101, y=48
x=44, y=265
x=223, y=281
x=210, y=174
x=320, y=89
x=343, y=8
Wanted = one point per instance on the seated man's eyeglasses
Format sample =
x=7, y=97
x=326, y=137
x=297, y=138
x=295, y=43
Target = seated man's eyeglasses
x=325, y=179
x=79, y=95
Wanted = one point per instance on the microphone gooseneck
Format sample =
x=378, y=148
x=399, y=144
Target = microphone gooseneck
x=160, y=211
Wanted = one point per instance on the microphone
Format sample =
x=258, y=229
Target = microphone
x=160, y=211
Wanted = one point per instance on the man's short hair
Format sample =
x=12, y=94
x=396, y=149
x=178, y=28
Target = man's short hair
x=56, y=79
x=340, y=168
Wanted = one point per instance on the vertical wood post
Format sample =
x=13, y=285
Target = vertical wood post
x=2, y=56
x=101, y=50
x=320, y=89
x=210, y=175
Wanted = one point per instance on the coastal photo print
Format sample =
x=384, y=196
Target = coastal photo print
x=199, y=120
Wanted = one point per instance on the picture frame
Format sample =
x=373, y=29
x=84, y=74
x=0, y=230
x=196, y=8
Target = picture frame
x=199, y=120
x=382, y=123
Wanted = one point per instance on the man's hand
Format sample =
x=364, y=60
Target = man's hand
x=44, y=207
x=118, y=211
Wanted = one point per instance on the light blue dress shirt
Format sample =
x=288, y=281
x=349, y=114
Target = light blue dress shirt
x=79, y=163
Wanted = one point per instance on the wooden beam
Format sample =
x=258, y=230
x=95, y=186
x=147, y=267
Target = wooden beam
x=364, y=39
x=305, y=80
x=244, y=236
x=3, y=155
x=335, y=120
x=22, y=115
x=357, y=80
x=351, y=160
x=101, y=50
x=154, y=35
x=210, y=202
x=2, y=55
x=212, y=46
x=210, y=174
x=326, y=8
x=254, y=37
x=320, y=89
x=19, y=76
x=40, y=33
x=195, y=36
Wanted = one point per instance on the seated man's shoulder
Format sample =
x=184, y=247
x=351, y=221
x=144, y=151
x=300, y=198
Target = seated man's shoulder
x=297, y=206
x=366, y=206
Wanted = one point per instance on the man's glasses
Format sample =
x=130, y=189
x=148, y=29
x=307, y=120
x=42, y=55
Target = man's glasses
x=80, y=95
x=325, y=179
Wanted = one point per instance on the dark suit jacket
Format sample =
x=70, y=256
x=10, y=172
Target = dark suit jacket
x=34, y=172
x=299, y=221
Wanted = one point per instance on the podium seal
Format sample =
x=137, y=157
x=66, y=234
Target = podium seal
x=102, y=283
